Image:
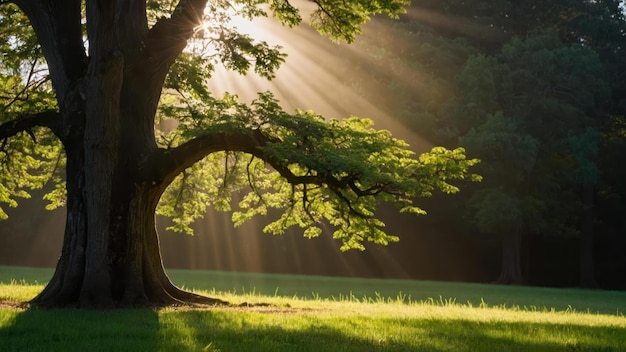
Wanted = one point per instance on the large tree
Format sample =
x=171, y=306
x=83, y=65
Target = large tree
x=85, y=82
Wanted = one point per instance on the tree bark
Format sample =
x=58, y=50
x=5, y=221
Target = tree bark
x=133, y=269
x=65, y=286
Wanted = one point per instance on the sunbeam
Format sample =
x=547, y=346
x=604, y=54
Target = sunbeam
x=314, y=77
x=311, y=80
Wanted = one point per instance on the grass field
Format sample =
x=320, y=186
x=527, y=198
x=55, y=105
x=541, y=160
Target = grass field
x=324, y=314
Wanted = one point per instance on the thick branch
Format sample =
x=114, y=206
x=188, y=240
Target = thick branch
x=144, y=74
x=169, y=163
x=165, y=165
x=168, y=37
x=49, y=118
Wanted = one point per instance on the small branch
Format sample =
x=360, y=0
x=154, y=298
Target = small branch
x=306, y=204
x=337, y=192
x=330, y=15
x=179, y=195
x=323, y=9
x=21, y=95
x=249, y=175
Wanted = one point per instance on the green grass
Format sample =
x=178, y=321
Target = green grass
x=325, y=314
x=341, y=288
x=608, y=302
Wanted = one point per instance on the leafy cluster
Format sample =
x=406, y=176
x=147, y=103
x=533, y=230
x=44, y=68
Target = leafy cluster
x=342, y=171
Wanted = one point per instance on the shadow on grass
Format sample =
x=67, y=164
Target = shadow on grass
x=76, y=330
x=242, y=330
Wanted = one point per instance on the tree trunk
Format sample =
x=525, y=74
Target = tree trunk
x=107, y=101
x=65, y=286
x=587, y=273
x=511, y=266
x=111, y=255
x=134, y=273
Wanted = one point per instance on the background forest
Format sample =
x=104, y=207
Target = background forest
x=535, y=89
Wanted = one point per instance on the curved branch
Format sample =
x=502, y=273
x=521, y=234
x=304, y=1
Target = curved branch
x=173, y=161
x=165, y=164
x=48, y=118
x=168, y=163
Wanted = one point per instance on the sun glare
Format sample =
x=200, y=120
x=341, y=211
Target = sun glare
x=208, y=31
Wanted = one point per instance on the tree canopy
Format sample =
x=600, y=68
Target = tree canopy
x=303, y=149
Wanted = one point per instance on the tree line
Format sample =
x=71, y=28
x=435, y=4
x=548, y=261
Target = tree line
x=536, y=91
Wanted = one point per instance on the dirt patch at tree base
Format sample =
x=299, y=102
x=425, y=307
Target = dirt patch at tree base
x=6, y=304
x=243, y=307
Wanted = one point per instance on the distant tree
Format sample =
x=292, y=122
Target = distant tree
x=530, y=114
x=610, y=202
x=82, y=85
x=489, y=24
x=426, y=51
